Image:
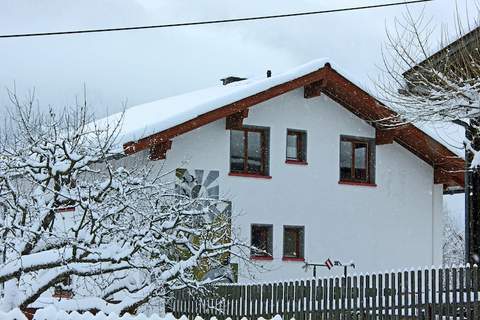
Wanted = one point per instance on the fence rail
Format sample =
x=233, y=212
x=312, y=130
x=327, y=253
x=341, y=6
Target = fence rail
x=445, y=293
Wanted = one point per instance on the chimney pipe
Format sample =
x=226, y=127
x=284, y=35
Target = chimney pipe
x=269, y=73
x=231, y=79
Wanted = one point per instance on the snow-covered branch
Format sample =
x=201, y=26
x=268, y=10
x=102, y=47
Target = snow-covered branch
x=425, y=85
x=75, y=215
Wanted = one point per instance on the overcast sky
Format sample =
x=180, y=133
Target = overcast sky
x=140, y=66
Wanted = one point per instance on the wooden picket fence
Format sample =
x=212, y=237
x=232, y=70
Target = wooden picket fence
x=444, y=293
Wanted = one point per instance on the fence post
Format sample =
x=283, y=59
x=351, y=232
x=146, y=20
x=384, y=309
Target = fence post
x=291, y=296
x=374, y=296
x=426, y=296
x=461, y=289
x=349, y=298
x=308, y=297
x=355, y=296
x=386, y=296
x=468, y=290
x=476, y=311
x=434, y=293
x=343, y=294
x=362, y=297
x=420, y=311
x=282, y=306
x=381, y=303
x=296, y=300
x=392, y=295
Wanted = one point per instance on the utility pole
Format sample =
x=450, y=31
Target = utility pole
x=472, y=199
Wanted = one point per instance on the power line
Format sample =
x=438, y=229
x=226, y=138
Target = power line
x=197, y=23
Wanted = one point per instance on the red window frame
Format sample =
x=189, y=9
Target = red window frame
x=355, y=142
x=301, y=152
x=299, y=246
x=267, y=231
x=263, y=152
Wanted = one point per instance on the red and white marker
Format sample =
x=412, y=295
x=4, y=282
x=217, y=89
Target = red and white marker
x=328, y=264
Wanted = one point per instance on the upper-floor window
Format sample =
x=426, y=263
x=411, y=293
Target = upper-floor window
x=249, y=151
x=262, y=240
x=357, y=159
x=296, y=146
x=293, y=242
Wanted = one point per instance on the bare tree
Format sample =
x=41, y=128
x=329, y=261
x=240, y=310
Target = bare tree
x=454, y=243
x=424, y=86
x=76, y=217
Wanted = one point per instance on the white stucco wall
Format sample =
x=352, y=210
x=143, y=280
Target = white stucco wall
x=394, y=225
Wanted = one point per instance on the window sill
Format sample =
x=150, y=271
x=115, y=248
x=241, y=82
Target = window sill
x=293, y=259
x=264, y=258
x=299, y=162
x=66, y=209
x=356, y=183
x=249, y=175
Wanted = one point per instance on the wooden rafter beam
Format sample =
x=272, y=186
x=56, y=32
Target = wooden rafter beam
x=159, y=151
x=384, y=136
x=387, y=135
x=447, y=177
x=235, y=121
x=314, y=89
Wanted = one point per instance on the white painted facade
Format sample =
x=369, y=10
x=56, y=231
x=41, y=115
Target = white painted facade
x=396, y=224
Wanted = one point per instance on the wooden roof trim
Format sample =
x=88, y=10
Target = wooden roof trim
x=366, y=107
x=347, y=94
x=222, y=112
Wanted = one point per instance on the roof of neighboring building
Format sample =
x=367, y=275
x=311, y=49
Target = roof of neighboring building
x=449, y=50
x=152, y=124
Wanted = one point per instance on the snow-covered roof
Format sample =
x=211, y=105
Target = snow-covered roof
x=153, y=125
x=146, y=119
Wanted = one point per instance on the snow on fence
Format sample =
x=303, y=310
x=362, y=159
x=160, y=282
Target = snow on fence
x=54, y=314
x=431, y=293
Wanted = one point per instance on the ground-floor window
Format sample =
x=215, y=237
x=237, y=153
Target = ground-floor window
x=293, y=242
x=262, y=239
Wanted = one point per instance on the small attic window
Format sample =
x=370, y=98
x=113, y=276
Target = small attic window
x=296, y=146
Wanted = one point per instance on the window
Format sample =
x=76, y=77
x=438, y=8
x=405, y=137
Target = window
x=357, y=159
x=262, y=239
x=249, y=151
x=296, y=146
x=293, y=242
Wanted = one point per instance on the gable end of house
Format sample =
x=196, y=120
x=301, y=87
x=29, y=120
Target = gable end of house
x=448, y=167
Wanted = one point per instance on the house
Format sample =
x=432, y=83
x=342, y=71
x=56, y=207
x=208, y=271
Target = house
x=454, y=65
x=452, y=56
x=309, y=170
